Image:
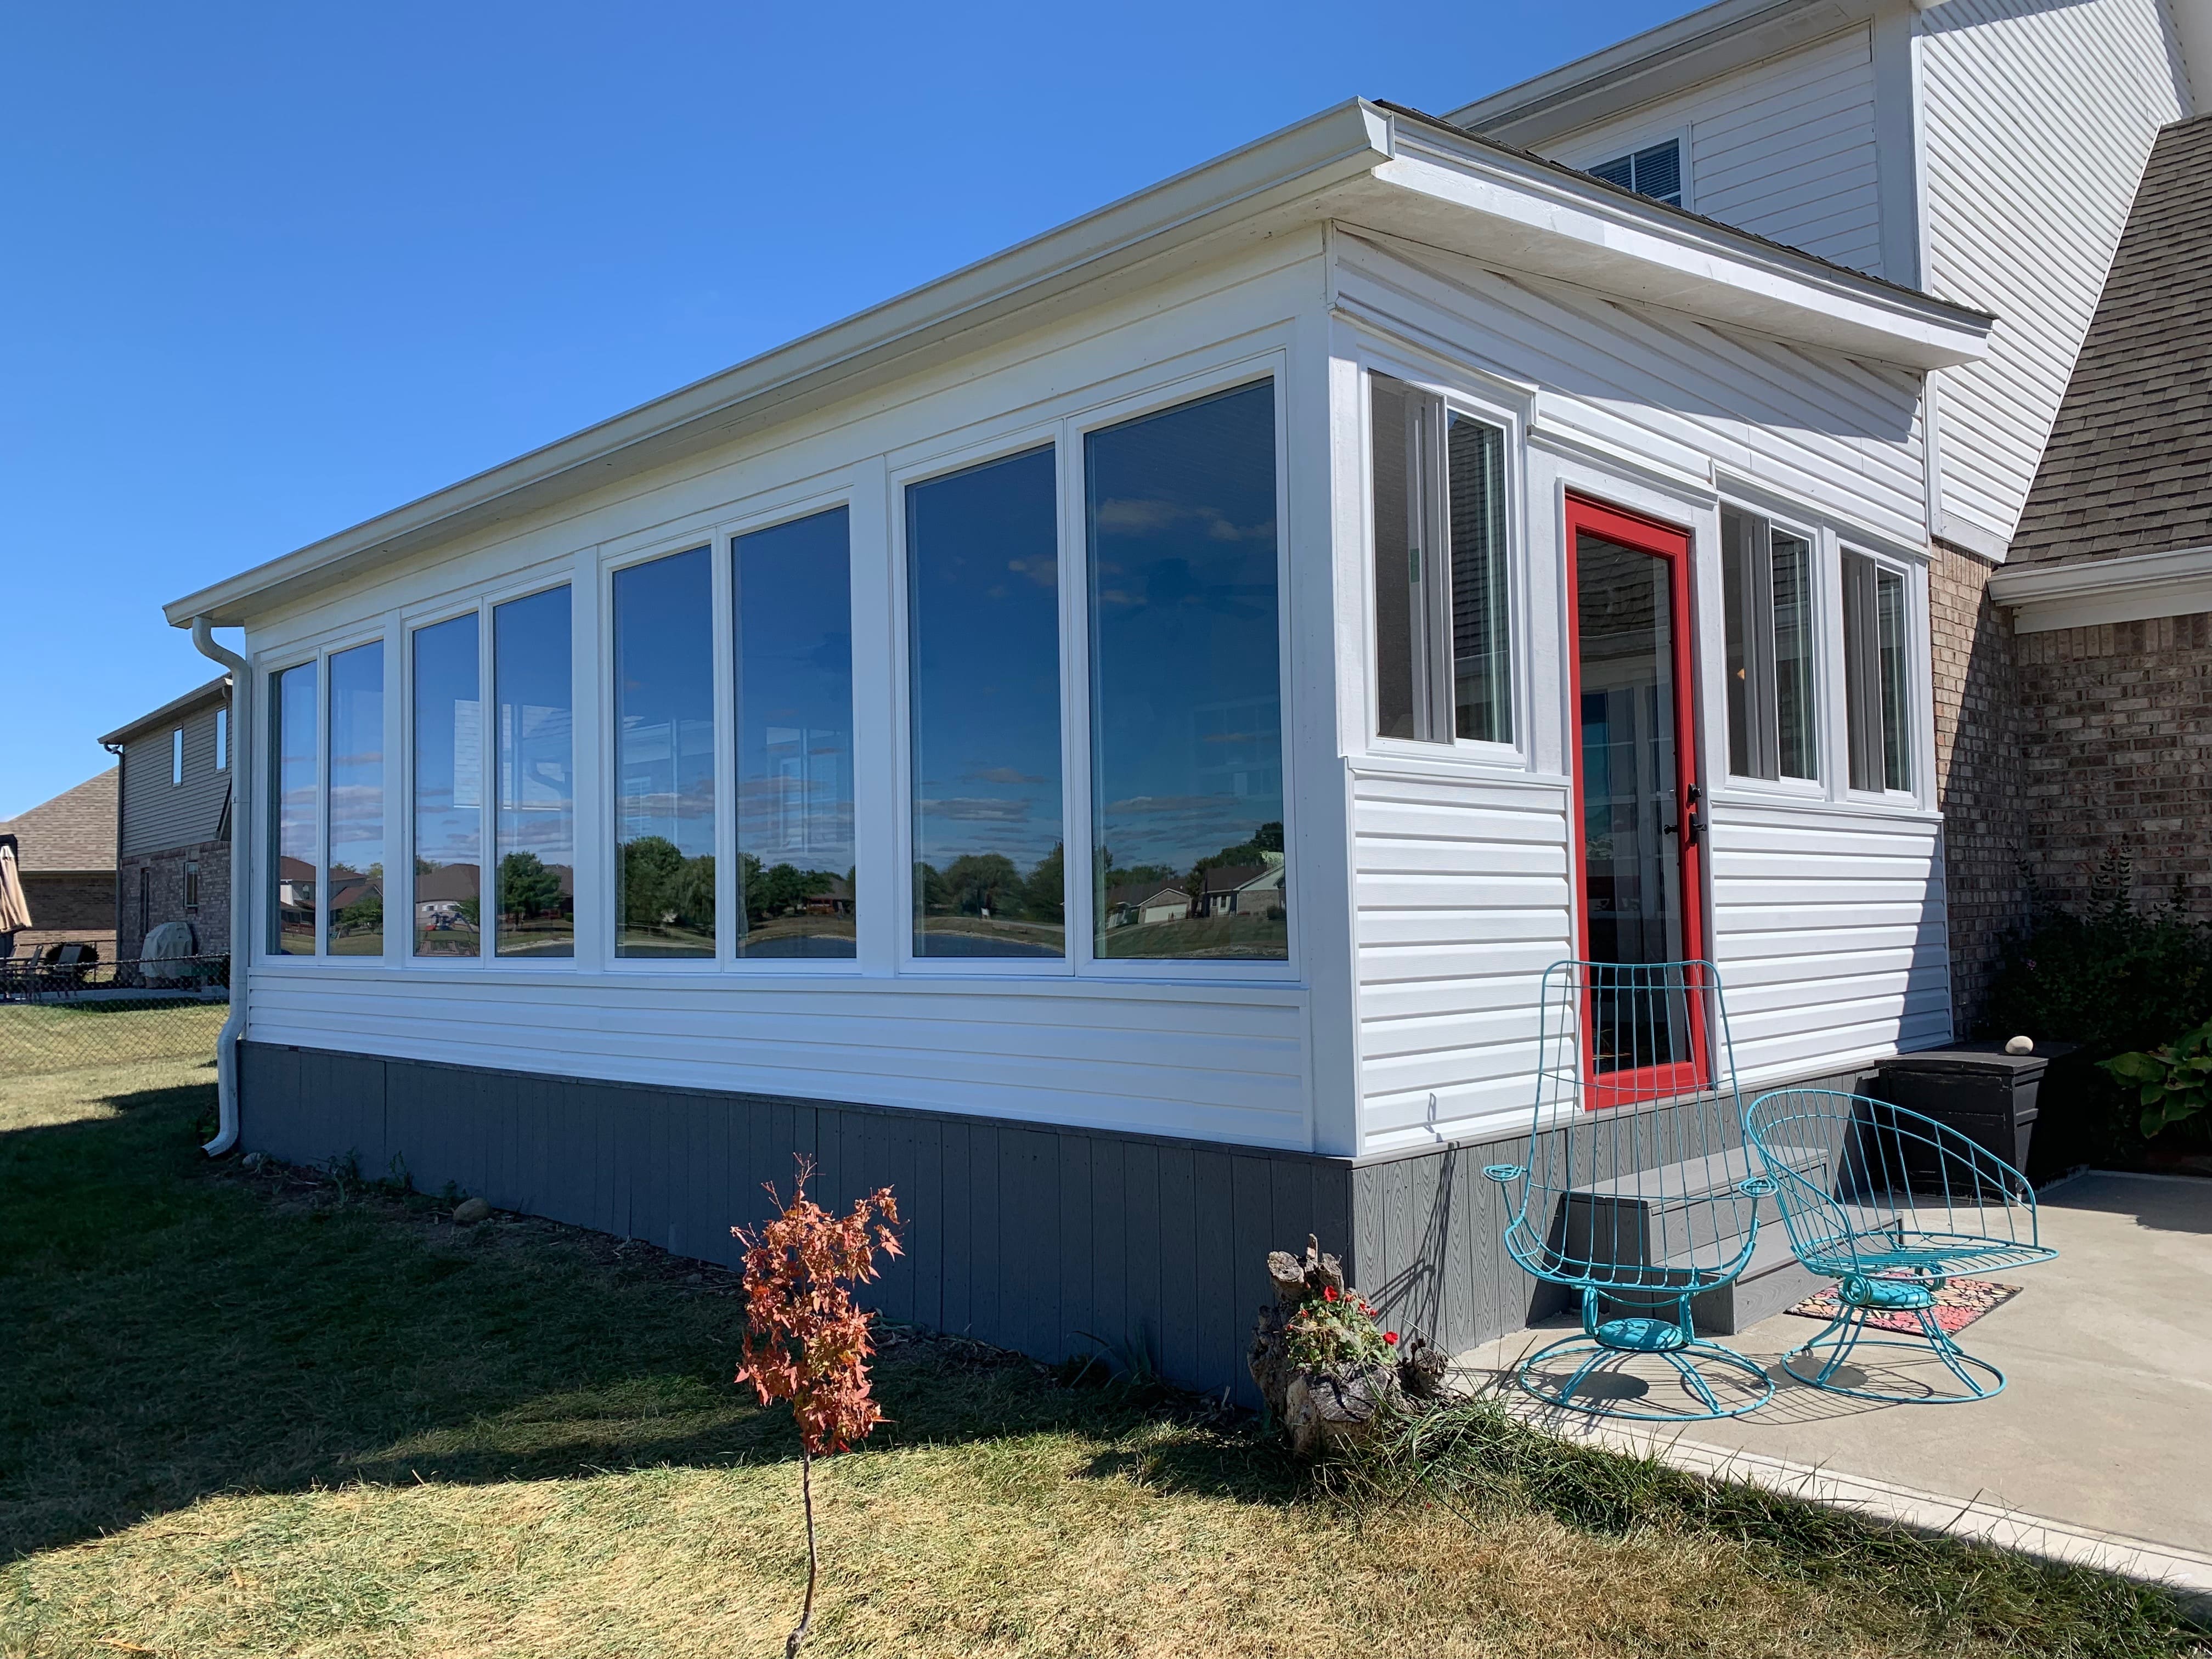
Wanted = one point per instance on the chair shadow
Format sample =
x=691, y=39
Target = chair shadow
x=169, y=1331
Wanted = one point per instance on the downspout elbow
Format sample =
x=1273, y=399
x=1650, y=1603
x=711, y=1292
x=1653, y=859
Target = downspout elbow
x=234, y=1027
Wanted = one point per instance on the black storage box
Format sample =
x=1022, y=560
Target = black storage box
x=1976, y=1088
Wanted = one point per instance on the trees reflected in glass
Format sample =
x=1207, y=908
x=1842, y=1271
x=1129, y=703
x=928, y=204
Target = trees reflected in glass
x=1187, y=751
x=292, y=893
x=664, y=684
x=983, y=650
x=534, y=882
x=356, y=802
x=449, y=771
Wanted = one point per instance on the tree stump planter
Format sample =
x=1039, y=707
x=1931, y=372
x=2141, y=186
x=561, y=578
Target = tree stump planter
x=1339, y=1407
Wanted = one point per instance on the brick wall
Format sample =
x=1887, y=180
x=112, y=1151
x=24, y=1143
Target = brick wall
x=164, y=878
x=2117, y=753
x=1980, y=784
x=69, y=910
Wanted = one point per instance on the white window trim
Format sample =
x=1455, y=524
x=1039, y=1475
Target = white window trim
x=582, y=724
x=1919, y=732
x=1456, y=387
x=409, y=623
x=1583, y=158
x=1819, y=540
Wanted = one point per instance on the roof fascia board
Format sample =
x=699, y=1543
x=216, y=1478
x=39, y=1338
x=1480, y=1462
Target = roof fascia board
x=215, y=690
x=2044, y=597
x=1655, y=65
x=1297, y=161
x=1469, y=197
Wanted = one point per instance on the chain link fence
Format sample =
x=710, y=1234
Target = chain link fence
x=67, y=1017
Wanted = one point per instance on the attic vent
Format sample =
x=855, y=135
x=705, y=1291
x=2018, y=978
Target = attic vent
x=1656, y=171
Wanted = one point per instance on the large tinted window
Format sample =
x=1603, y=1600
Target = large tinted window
x=292, y=810
x=534, y=879
x=1187, y=749
x=356, y=809
x=983, y=647
x=793, y=589
x=449, y=771
x=664, y=677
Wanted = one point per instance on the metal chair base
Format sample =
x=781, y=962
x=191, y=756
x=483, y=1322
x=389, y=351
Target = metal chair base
x=1845, y=1334
x=1684, y=1355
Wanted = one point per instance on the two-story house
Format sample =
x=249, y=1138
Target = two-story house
x=173, y=825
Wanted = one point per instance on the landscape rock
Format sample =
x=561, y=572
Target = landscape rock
x=469, y=1211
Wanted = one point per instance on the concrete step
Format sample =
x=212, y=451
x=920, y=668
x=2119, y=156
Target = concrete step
x=1771, y=1281
x=1682, y=1212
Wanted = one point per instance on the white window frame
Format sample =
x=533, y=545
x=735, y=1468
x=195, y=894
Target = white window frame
x=176, y=756
x=1587, y=160
x=544, y=579
x=1820, y=558
x=221, y=738
x=1455, y=391
x=1917, y=735
x=410, y=623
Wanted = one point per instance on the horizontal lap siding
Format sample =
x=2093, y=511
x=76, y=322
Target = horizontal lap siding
x=1785, y=148
x=1200, y=1063
x=1028, y=1236
x=1461, y=895
x=157, y=814
x=1821, y=427
x=2038, y=120
x=1830, y=931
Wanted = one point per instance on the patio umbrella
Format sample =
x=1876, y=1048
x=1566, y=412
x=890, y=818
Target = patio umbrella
x=15, y=908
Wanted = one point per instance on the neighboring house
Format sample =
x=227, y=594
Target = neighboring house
x=1145, y=904
x=2102, y=656
x=173, y=835
x=1548, y=565
x=66, y=847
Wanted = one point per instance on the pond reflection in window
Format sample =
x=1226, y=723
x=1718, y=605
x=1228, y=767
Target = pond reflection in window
x=356, y=808
x=664, y=676
x=983, y=618
x=1186, y=683
x=449, y=771
x=793, y=586
x=534, y=881
x=292, y=903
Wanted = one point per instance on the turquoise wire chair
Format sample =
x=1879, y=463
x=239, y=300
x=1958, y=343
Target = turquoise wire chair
x=1894, y=1206
x=1638, y=1196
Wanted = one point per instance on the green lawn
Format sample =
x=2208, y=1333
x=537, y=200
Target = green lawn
x=262, y=1414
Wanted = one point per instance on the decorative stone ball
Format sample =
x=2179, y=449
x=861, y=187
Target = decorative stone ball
x=2020, y=1045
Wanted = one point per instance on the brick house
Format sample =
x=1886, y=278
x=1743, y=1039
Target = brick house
x=66, y=847
x=2078, y=692
x=171, y=843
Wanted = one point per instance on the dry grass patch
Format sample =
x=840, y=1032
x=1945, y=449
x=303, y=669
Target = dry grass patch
x=254, y=1416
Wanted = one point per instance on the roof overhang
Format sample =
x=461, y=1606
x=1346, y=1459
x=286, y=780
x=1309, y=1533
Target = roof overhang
x=1657, y=64
x=214, y=691
x=2138, y=587
x=1364, y=163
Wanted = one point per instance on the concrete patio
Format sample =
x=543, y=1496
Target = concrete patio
x=2100, y=1449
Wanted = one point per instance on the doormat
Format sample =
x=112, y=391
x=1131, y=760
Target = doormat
x=1957, y=1305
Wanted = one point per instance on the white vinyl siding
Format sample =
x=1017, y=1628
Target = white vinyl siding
x=2037, y=119
x=1785, y=147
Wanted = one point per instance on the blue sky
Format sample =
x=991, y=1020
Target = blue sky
x=274, y=269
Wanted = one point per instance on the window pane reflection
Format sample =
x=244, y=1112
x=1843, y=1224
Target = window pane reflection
x=983, y=614
x=292, y=815
x=449, y=769
x=1186, y=700
x=356, y=811
x=795, y=684
x=535, y=884
x=664, y=675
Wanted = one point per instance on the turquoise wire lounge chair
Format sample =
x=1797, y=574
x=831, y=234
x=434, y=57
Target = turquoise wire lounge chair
x=1639, y=1194
x=1896, y=1205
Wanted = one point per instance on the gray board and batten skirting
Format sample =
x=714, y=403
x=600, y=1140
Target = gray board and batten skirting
x=1045, y=1239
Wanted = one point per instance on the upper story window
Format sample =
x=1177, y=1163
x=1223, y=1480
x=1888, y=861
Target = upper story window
x=1655, y=171
x=177, y=755
x=1766, y=577
x=1877, y=675
x=1442, y=639
x=223, y=739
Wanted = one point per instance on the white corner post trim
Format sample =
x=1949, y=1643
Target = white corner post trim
x=241, y=769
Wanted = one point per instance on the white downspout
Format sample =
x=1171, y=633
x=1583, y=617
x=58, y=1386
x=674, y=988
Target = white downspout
x=241, y=909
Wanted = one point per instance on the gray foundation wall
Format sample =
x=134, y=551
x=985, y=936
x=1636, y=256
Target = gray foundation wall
x=1026, y=1236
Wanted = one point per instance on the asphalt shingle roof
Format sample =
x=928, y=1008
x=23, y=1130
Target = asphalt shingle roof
x=2128, y=466
x=72, y=832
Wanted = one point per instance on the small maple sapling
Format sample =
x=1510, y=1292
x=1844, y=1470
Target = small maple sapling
x=807, y=1339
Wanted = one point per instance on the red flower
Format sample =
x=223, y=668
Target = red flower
x=1328, y=1292
x=1389, y=1336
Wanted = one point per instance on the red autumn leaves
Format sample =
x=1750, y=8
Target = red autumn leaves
x=808, y=1339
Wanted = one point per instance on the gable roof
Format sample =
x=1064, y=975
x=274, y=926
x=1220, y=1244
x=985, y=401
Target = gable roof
x=73, y=833
x=2128, y=469
x=1362, y=163
x=215, y=690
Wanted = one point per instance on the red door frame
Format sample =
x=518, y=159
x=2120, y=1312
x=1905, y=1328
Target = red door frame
x=1671, y=544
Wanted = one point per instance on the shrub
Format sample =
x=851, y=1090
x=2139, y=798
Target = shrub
x=2175, y=1080
x=1337, y=1331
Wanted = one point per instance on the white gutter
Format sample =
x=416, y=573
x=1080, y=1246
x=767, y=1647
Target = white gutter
x=241, y=750
x=2044, y=597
